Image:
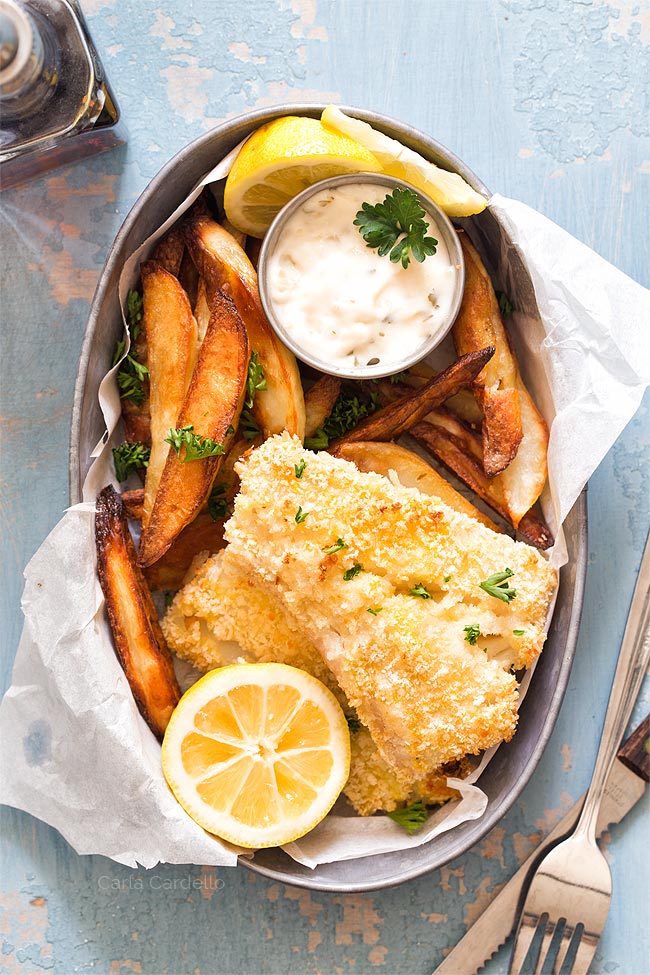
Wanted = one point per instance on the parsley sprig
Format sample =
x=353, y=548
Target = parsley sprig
x=196, y=447
x=497, y=585
x=396, y=227
x=300, y=515
x=352, y=572
x=472, y=632
x=130, y=456
x=354, y=725
x=421, y=591
x=336, y=547
x=300, y=468
x=410, y=818
x=255, y=382
x=346, y=413
x=132, y=374
x=218, y=506
x=505, y=305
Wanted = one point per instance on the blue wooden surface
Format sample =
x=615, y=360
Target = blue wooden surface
x=547, y=101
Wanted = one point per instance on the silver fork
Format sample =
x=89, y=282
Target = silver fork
x=568, y=899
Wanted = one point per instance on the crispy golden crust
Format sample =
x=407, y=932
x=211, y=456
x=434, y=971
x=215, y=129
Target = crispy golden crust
x=221, y=612
x=139, y=642
x=426, y=695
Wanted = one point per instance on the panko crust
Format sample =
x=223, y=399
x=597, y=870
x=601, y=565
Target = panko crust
x=426, y=695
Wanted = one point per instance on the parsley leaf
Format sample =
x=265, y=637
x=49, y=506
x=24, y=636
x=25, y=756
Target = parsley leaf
x=410, y=818
x=354, y=724
x=300, y=468
x=472, y=633
x=218, y=506
x=346, y=413
x=130, y=456
x=505, y=305
x=375, y=609
x=518, y=632
x=354, y=571
x=320, y=441
x=300, y=515
x=169, y=599
x=255, y=381
x=132, y=374
x=497, y=585
x=396, y=226
x=196, y=447
x=338, y=545
x=248, y=424
x=420, y=591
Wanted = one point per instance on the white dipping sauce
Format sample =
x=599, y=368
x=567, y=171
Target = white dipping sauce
x=342, y=303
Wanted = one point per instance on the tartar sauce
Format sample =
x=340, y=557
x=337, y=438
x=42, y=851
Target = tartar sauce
x=342, y=303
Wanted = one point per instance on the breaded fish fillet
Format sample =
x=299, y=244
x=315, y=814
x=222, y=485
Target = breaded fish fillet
x=425, y=693
x=220, y=614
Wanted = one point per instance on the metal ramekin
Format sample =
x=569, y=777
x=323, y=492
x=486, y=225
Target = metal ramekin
x=444, y=229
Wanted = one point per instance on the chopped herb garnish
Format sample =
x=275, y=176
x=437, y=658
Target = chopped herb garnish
x=255, y=381
x=421, y=591
x=300, y=468
x=346, y=413
x=301, y=515
x=338, y=545
x=472, y=633
x=354, y=724
x=218, y=506
x=354, y=571
x=396, y=226
x=497, y=585
x=505, y=305
x=518, y=632
x=230, y=430
x=375, y=609
x=130, y=456
x=196, y=447
x=446, y=579
x=248, y=425
x=132, y=374
x=410, y=818
x=320, y=441
x=169, y=598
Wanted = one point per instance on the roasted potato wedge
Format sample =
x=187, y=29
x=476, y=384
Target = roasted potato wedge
x=204, y=534
x=211, y=407
x=224, y=265
x=524, y=478
x=139, y=643
x=319, y=402
x=460, y=449
x=169, y=251
x=133, y=502
x=412, y=471
x=398, y=417
x=201, y=309
x=171, y=335
x=497, y=386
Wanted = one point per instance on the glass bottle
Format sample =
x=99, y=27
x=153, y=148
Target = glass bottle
x=55, y=102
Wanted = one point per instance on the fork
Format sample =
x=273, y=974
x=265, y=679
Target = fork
x=568, y=900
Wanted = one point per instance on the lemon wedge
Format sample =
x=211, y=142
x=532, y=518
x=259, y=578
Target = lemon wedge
x=257, y=753
x=281, y=159
x=449, y=190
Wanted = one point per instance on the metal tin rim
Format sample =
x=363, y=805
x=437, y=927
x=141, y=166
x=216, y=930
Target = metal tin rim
x=444, y=227
x=237, y=128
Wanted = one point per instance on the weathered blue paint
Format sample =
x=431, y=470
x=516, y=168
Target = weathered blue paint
x=544, y=99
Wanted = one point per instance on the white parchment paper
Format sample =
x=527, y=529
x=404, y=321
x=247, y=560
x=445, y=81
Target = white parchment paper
x=76, y=753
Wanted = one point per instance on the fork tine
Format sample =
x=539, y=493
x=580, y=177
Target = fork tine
x=586, y=951
x=563, y=952
x=551, y=947
x=547, y=938
x=526, y=932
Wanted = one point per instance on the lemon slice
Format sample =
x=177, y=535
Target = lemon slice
x=257, y=753
x=449, y=190
x=281, y=159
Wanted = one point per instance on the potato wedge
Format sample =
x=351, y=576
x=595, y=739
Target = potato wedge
x=319, y=402
x=133, y=502
x=201, y=309
x=398, y=417
x=139, y=643
x=171, y=335
x=460, y=449
x=169, y=251
x=204, y=534
x=211, y=407
x=524, y=479
x=224, y=265
x=412, y=471
x=189, y=278
x=496, y=387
